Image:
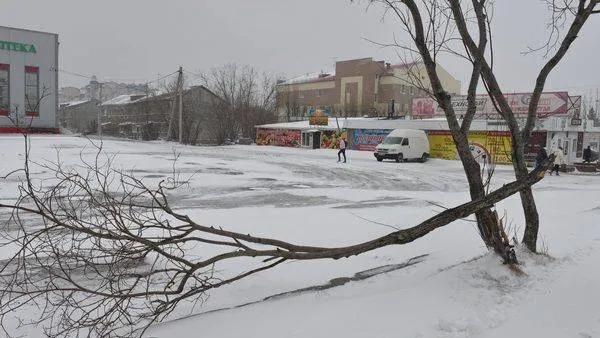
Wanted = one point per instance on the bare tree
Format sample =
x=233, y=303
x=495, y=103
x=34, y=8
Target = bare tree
x=98, y=252
x=248, y=99
x=197, y=111
x=445, y=26
x=17, y=115
x=429, y=24
x=287, y=100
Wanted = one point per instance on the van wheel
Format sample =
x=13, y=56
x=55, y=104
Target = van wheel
x=379, y=158
x=399, y=158
x=424, y=158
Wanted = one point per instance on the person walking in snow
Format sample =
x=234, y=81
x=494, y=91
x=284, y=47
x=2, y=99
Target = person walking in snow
x=587, y=155
x=342, y=149
x=559, y=160
x=542, y=155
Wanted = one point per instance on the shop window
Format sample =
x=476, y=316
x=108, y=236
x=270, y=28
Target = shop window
x=4, y=89
x=32, y=91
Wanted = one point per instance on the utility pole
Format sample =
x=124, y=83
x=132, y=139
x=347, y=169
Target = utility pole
x=180, y=104
x=100, y=112
x=170, y=132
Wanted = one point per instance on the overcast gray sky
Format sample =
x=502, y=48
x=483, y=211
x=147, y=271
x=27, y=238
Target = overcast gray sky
x=135, y=40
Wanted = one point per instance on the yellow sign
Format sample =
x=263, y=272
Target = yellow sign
x=319, y=118
x=488, y=146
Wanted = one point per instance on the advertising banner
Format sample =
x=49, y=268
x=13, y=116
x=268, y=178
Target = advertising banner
x=330, y=139
x=550, y=104
x=486, y=146
x=318, y=118
x=368, y=139
x=278, y=137
x=574, y=110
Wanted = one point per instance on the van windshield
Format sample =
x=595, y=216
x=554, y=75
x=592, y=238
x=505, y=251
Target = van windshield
x=392, y=140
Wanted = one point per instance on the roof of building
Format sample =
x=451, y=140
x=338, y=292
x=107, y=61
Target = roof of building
x=72, y=104
x=383, y=123
x=123, y=99
x=405, y=64
x=310, y=77
x=330, y=75
x=27, y=30
x=169, y=95
x=332, y=123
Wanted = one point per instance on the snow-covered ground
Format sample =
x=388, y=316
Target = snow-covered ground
x=454, y=288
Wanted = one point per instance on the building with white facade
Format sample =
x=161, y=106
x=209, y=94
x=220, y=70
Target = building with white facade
x=28, y=80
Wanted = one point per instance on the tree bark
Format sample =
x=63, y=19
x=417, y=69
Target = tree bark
x=488, y=223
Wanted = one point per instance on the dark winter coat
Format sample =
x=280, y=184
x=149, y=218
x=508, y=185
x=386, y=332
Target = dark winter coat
x=541, y=157
x=587, y=154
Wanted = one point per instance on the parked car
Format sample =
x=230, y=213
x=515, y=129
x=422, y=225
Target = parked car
x=404, y=145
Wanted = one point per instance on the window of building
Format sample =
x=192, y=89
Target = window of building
x=318, y=92
x=300, y=94
x=4, y=89
x=403, y=89
x=32, y=91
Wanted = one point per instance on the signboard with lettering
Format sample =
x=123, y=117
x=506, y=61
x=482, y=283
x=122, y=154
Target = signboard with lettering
x=550, y=104
x=17, y=47
x=368, y=139
x=489, y=146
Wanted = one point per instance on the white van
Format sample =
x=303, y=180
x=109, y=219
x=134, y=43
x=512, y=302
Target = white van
x=404, y=145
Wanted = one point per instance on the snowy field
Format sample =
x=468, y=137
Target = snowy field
x=443, y=285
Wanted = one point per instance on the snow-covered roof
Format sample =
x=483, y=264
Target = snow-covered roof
x=382, y=123
x=123, y=99
x=72, y=103
x=332, y=123
x=310, y=77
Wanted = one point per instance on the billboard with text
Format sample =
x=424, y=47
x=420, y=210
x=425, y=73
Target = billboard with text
x=550, y=104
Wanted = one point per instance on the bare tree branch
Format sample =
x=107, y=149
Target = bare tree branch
x=103, y=254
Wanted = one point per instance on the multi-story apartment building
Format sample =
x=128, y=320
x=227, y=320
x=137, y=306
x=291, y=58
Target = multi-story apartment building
x=357, y=88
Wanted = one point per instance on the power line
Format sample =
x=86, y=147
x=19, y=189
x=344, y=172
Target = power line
x=162, y=77
x=75, y=74
x=108, y=80
x=192, y=73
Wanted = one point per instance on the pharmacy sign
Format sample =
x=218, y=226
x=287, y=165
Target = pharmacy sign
x=17, y=47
